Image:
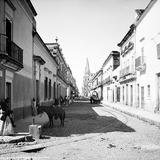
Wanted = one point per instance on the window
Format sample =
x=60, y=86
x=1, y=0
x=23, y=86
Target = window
x=54, y=90
x=45, y=88
x=142, y=54
x=50, y=88
x=149, y=90
x=158, y=51
x=9, y=36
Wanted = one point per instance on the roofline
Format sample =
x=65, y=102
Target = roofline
x=96, y=74
x=147, y=9
x=111, y=54
x=39, y=37
x=60, y=51
x=51, y=43
x=31, y=7
x=129, y=33
x=133, y=26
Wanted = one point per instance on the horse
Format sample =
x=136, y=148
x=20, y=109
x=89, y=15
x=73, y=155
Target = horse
x=53, y=111
x=49, y=110
x=59, y=113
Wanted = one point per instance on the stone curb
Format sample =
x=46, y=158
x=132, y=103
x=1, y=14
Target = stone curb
x=150, y=121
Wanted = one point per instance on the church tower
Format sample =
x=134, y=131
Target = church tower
x=87, y=69
x=86, y=80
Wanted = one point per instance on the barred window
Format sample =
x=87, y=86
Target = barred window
x=50, y=87
x=149, y=90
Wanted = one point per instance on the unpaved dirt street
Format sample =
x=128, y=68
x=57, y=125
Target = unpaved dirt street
x=95, y=132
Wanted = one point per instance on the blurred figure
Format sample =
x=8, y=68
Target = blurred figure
x=6, y=111
x=34, y=107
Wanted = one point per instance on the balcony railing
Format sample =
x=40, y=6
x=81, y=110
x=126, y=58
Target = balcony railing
x=62, y=75
x=10, y=54
x=140, y=63
x=126, y=71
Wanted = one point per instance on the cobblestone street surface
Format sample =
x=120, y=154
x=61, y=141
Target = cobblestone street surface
x=95, y=132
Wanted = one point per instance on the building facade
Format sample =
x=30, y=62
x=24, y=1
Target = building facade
x=148, y=58
x=72, y=89
x=139, y=72
x=108, y=67
x=127, y=68
x=44, y=72
x=17, y=21
x=97, y=84
x=61, y=76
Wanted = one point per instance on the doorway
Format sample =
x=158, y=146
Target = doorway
x=137, y=95
x=8, y=93
x=54, y=90
x=123, y=94
x=126, y=94
x=131, y=96
x=158, y=92
x=118, y=94
x=142, y=97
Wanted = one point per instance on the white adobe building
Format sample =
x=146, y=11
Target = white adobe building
x=148, y=57
x=127, y=68
x=97, y=84
x=108, y=67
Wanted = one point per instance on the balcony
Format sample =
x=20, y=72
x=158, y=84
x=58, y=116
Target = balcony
x=126, y=71
x=11, y=55
x=107, y=80
x=127, y=48
x=140, y=63
x=61, y=75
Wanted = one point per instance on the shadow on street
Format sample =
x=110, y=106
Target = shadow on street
x=82, y=119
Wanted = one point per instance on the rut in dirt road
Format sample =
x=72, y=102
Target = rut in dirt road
x=82, y=119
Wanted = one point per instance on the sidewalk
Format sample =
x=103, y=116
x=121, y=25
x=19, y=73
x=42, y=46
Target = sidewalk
x=22, y=128
x=146, y=116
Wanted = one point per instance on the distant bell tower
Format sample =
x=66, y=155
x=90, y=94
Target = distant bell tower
x=87, y=69
x=86, y=80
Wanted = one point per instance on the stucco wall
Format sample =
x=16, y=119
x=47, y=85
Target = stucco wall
x=149, y=30
x=22, y=84
x=1, y=16
x=22, y=96
x=50, y=65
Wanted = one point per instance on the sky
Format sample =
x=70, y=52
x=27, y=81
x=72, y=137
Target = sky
x=85, y=29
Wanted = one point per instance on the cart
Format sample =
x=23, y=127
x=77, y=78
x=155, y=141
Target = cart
x=94, y=98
